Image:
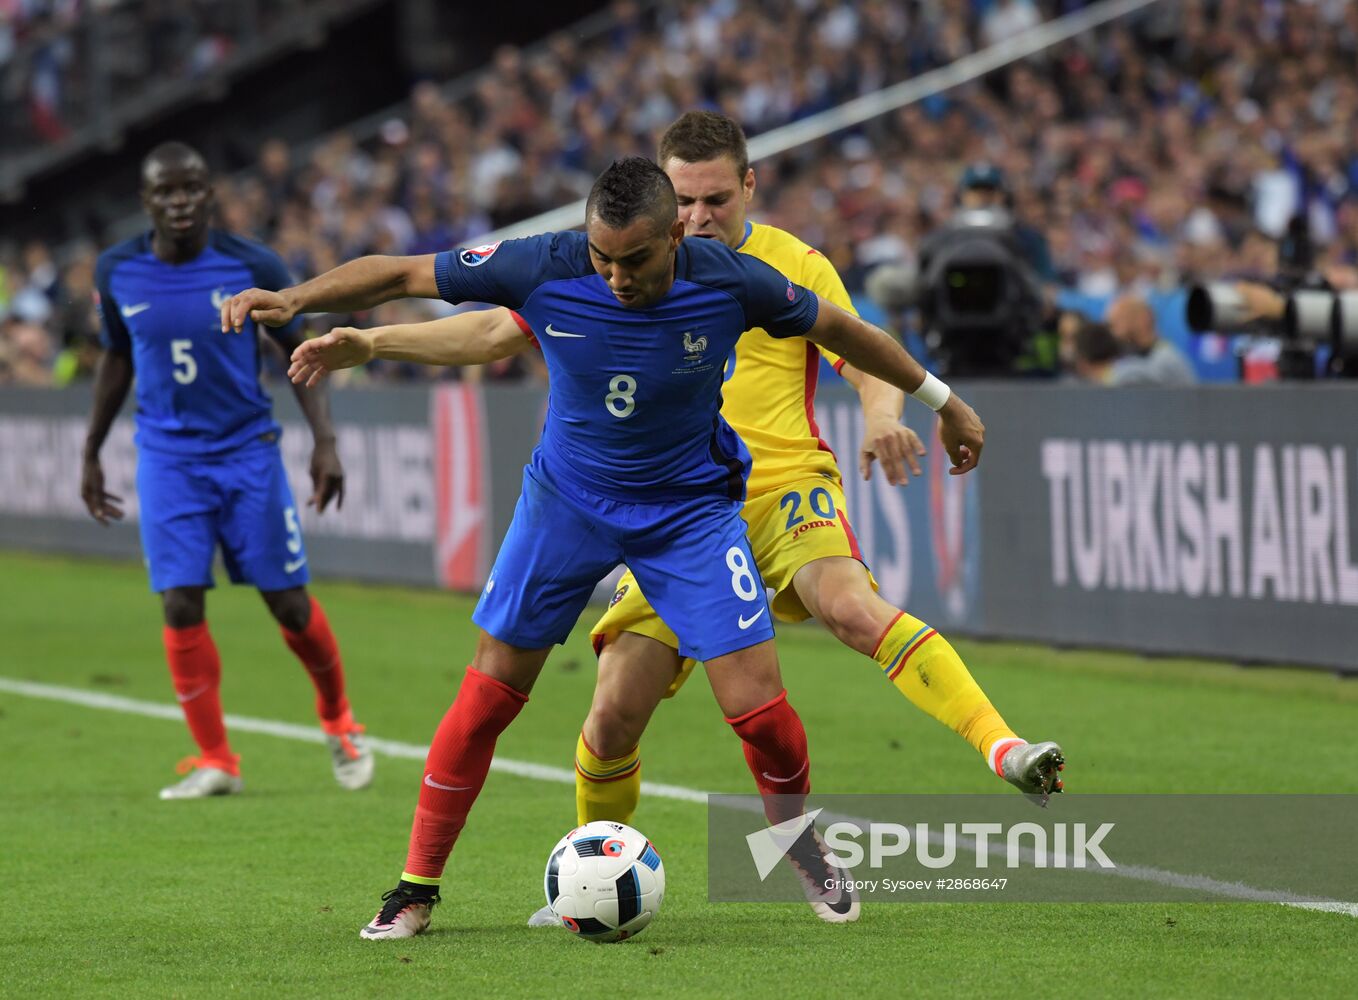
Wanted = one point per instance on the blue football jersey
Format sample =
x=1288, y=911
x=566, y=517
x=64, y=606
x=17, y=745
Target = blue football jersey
x=634, y=412
x=198, y=389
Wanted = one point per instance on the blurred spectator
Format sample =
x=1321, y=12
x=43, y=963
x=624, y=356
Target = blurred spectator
x=1096, y=353
x=76, y=322
x=1007, y=18
x=1149, y=359
x=25, y=353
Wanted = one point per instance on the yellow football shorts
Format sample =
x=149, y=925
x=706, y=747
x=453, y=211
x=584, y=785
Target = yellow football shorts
x=788, y=528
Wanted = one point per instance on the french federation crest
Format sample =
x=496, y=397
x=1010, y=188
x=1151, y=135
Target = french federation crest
x=693, y=349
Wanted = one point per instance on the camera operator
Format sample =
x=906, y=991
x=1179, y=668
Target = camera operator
x=978, y=294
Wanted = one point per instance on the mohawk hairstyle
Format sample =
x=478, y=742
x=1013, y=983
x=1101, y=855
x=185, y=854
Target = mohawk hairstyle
x=705, y=135
x=632, y=188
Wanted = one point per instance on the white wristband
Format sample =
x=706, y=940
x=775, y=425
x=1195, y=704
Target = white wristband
x=932, y=392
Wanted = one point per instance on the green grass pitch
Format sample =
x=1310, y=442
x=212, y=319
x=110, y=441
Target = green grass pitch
x=112, y=893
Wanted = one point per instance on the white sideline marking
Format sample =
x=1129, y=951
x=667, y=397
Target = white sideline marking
x=311, y=734
x=557, y=775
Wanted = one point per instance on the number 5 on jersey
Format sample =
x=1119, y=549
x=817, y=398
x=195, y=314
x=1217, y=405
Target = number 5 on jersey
x=185, y=367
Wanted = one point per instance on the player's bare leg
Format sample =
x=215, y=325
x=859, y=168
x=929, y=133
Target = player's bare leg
x=307, y=633
x=749, y=688
x=184, y=607
x=635, y=671
x=494, y=689
x=925, y=668
x=196, y=671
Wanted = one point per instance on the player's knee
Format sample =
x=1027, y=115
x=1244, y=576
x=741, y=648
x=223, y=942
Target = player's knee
x=183, y=607
x=290, y=608
x=852, y=619
x=612, y=730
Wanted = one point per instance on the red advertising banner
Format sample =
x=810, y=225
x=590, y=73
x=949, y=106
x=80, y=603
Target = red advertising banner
x=461, y=487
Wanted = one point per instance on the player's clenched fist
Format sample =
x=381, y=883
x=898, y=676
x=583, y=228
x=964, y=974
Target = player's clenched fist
x=962, y=434
x=269, y=308
x=343, y=347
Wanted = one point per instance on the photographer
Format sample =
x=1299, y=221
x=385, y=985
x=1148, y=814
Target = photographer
x=1305, y=317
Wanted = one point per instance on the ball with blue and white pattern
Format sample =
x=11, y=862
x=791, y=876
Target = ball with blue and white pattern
x=604, y=881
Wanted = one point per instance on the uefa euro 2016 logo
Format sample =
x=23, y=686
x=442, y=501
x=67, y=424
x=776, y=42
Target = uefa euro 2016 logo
x=476, y=256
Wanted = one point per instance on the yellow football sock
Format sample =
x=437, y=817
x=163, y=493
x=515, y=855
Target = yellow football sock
x=606, y=787
x=928, y=671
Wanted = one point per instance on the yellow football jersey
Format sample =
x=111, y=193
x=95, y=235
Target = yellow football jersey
x=769, y=398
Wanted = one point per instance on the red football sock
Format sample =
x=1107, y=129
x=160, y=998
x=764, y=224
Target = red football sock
x=775, y=749
x=315, y=646
x=196, y=670
x=456, y=768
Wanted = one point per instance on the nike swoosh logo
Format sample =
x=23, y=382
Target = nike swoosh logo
x=745, y=623
x=429, y=780
x=140, y=307
x=845, y=902
x=294, y=565
x=191, y=695
x=562, y=333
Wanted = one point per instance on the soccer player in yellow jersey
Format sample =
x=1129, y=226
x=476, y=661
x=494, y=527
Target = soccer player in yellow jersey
x=801, y=539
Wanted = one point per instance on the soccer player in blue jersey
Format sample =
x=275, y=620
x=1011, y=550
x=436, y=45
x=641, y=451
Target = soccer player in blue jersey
x=209, y=471
x=635, y=465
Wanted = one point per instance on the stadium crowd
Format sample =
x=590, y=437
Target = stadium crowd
x=1171, y=146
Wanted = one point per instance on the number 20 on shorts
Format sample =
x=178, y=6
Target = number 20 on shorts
x=819, y=500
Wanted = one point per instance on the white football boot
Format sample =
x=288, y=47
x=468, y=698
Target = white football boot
x=829, y=889
x=350, y=756
x=1033, y=769
x=404, y=914
x=544, y=918
x=201, y=781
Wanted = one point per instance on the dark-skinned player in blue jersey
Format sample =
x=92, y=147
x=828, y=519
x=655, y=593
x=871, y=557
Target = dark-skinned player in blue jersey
x=209, y=471
x=635, y=465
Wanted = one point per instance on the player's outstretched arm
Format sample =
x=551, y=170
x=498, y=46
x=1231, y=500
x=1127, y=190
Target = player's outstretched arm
x=875, y=352
x=112, y=380
x=469, y=338
x=353, y=287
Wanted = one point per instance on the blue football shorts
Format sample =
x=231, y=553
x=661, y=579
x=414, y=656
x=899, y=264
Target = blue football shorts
x=691, y=558
x=242, y=501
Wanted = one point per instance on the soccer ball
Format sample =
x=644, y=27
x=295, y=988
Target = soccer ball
x=604, y=881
